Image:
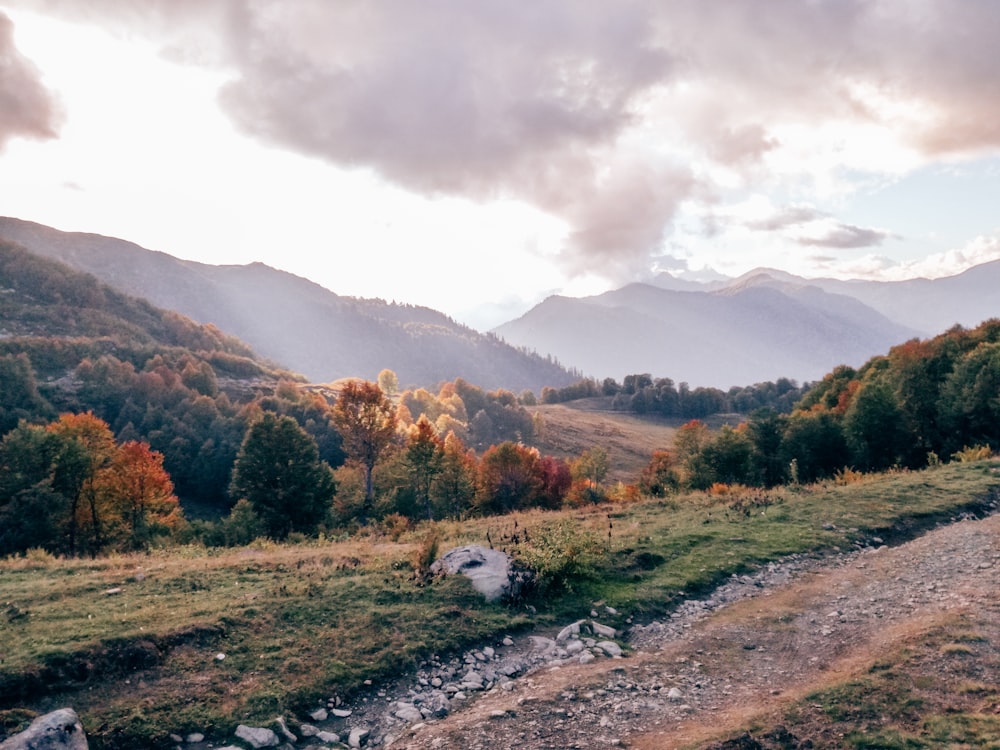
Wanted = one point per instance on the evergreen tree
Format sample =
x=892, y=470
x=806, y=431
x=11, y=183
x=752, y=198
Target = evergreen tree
x=279, y=472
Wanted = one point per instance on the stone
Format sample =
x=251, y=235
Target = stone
x=574, y=647
x=328, y=737
x=610, y=648
x=285, y=731
x=568, y=631
x=408, y=713
x=341, y=713
x=489, y=570
x=586, y=657
x=604, y=631
x=674, y=694
x=257, y=737
x=58, y=730
x=194, y=738
x=357, y=736
x=320, y=714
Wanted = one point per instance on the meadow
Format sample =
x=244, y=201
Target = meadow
x=199, y=639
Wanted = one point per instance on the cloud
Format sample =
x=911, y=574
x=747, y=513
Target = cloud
x=846, y=237
x=789, y=216
x=608, y=115
x=27, y=108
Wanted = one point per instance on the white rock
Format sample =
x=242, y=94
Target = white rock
x=257, y=736
x=409, y=713
x=604, y=631
x=341, y=713
x=574, y=647
x=58, y=730
x=320, y=714
x=194, y=737
x=610, y=648
x=586, y=657
x=674, y=694
x=357, y=736
x=488, y=569
x=569, y=630
x=323, y=736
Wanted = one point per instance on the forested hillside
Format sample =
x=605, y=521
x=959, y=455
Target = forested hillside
x=309, y=329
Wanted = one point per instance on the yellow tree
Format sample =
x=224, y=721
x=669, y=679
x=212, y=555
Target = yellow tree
x=366, y=420
x=83, y=471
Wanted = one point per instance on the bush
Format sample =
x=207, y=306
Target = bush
x=975, y=453
x=559, y=554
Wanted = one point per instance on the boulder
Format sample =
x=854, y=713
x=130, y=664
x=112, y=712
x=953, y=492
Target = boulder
x=490, y=570
x=257, y=737
x=58, y=730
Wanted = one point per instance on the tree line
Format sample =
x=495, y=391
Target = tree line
x=644, y=394
x=924, y=402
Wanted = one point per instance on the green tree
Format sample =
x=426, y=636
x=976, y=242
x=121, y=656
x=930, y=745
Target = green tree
x=454, y=488
x=279, y=471
x=366, y=420
x=874, y=428
x=423, y=456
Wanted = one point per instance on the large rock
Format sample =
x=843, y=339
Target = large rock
x=490, y=570
x=59, y=730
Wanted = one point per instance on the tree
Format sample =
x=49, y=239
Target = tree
x=454, y=487
x=142, y=493
x=279, y=471
x=388, y=382
x=81, y=465
x=660, y=477
x=366, y=420
x=423, y=455
x=873, y=426
x=509, y=478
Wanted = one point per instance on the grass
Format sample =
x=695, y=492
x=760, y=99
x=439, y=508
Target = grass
x=299, y=623
x=922, y=695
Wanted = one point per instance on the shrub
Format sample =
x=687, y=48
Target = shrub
x=975, y=453
x=559, y=554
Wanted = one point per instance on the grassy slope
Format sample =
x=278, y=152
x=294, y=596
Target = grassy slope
x=300, y=622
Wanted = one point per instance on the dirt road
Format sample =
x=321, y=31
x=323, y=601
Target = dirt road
x=692, y=685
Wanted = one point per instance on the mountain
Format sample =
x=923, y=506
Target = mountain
x=296, y=322
x=737, y=335
x=931, y=306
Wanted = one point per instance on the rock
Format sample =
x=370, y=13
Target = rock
x=408, y=713
x=341, y=713
x=194, y=738
x=570, y=630
x=357, y=736
x=603, y=630
x=610, y=648
x=586, y=657
x=257, y=737
x=308, y=730
x=328, y=737
x=58, y=730
x=674, y=694
x=320, y=714
x=489, y=570
x=574, y=647
x=285, y=731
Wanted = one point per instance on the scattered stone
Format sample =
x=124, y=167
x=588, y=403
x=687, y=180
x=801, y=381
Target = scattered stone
x=341, y=713
x=320, y=714
x=114, y=592
x=257, y=737
x=58, y=730
x=570, y=630
x=194, y=738
x=675, y=694
x=586, y=657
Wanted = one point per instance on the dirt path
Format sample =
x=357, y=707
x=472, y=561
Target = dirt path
x=682, y=686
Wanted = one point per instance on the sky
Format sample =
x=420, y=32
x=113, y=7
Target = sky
x=476, y=156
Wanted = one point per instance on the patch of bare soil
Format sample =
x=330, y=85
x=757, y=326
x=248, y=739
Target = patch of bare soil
x=703, y=682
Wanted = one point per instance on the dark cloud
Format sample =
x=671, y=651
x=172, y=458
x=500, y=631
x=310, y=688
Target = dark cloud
x=789, y=216
x=27, y=109
x=846, y=237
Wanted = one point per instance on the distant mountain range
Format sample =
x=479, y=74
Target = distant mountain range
x=764, y=325
x=295, y=322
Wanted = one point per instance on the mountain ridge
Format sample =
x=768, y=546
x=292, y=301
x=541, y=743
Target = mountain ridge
x=297, y=322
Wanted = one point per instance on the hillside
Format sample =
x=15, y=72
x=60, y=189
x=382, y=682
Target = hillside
x=730, y=337
x=296, y=322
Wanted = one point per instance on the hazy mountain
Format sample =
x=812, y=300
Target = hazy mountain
x=296, y=322
x=738, y=335
x=931, y=306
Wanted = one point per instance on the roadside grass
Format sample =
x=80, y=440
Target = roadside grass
x=923, y=694
x=134, y=641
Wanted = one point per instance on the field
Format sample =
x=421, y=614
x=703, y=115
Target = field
x=195, y=639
